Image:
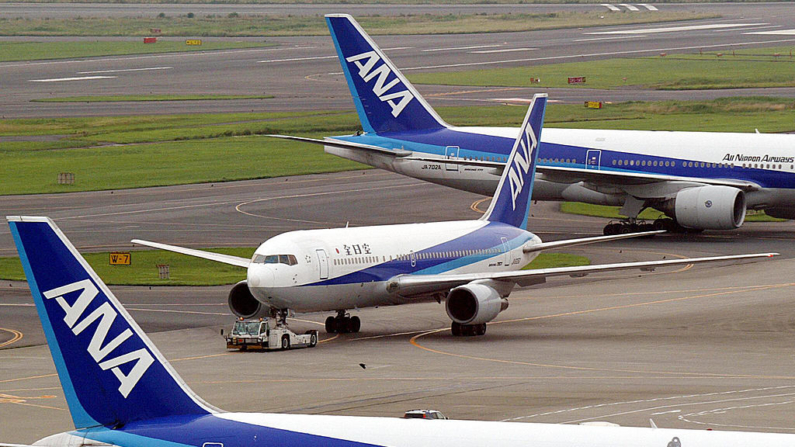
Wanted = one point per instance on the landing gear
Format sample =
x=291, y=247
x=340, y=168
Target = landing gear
x=467, y=330
x=672, y=226
x=280, y=315
x=628, y=226
x=343, y=323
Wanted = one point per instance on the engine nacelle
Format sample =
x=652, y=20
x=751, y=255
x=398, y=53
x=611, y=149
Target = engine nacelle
x=474, y=303
x=710, y=208
x=243, y=304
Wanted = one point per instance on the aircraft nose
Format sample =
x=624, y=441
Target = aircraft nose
x=260, y=276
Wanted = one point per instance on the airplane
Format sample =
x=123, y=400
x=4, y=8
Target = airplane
x=121, y=391
x=701, y=180
x=472, y=265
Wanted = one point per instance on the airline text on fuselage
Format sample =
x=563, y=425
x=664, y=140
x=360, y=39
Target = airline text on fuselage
x=97, y=347
x=366, y=62
x=758, y=158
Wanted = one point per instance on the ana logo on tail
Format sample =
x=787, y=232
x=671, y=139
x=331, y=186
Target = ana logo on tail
x=367, y=72
x=97, y=348
x=522, y=160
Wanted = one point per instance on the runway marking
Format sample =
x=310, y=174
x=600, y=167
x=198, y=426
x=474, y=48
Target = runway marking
x=415, y=343
x=476, y=203
x=629, y=7
x=642, y=401
x=674, y=29
x=17, y=400
x=297, y=59
x=19, y=379
x=649, y=7
x=126, y=70
x=465, y=92
x=781, y=32
x=189, y=312
x=611, y=7
x=471, y=47
x=82, y=78
x=17, y=336
x=503, y=50
x=601, y=54
x=666, y=412
x=317, y=194
x=596, y=39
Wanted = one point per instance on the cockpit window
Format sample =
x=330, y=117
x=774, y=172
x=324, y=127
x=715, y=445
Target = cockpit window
x=275, y=259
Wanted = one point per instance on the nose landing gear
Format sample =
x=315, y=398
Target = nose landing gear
x=343, y=323
x=467, y=330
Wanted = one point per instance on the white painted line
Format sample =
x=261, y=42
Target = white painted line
x=594, y=39
x=504, y=50
x=472, y=47
x=649, y=7
x=674, y=29
x=748, y=28
x=666, y=412
x=297, y=59
x=125, y=70
x=629, y=7
x=781, y=32
x=610, y=7
x=84, y=78
x=396, y=48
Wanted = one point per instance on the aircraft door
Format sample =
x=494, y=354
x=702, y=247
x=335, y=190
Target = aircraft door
x=451, y=153
x=593, y=159
x=322, y=260
x=413, y=257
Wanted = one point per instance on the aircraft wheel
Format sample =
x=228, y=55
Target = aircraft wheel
x=480, y=329
x=354, y=324
x=455, y=328
x=285, y=342
x=331, y=325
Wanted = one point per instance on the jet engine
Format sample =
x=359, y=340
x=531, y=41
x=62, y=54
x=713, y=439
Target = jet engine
x=708, y=207
x=474, y=303
x=243, y=304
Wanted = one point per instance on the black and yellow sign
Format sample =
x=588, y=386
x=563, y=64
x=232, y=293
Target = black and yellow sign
x=593, y=104
x=193, y=42
x=120, y=258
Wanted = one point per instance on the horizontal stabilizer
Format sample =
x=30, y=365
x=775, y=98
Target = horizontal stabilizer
x=346, y=145
x=585, y=241
x=217, y=257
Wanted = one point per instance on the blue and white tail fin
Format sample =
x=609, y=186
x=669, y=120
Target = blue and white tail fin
x=385, y=100
x=511, y=201
x=110, y=371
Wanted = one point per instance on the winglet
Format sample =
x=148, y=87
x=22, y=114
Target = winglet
x=110, y=371
x=511, y=200
x=385, y=100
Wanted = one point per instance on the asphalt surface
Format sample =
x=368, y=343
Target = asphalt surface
x=303, y=73
x=701, y=347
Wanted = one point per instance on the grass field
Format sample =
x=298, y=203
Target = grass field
x=138, y=151
x=612, y=212
x=190, y=271
x=27, y=51
x=235, y=25
x=733, y=69
x=155, y=98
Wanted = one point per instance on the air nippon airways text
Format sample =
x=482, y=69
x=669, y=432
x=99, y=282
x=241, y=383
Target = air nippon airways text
x=522, y=160
x=106, y=316
x=367, y=71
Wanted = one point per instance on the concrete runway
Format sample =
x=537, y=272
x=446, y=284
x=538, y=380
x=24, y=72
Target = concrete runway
x=303, y=73
x=704, y=347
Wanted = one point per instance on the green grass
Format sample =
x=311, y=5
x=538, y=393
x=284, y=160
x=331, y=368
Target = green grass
x=612, y=212
x=26, y=51
x=156, y=98
x=184, y=270
x=745, y=69
x=235, y=25
x=138, y=151
x=550, y=260
x=190, y=271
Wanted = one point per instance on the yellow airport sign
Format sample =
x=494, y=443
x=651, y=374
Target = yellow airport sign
x=120, y=258
x=593, y=104
x=193, y=42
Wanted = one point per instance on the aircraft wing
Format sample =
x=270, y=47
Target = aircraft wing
x=346, y=145
x=217, y=257
x=409, y=285
x=567, y=175
x=585, y=241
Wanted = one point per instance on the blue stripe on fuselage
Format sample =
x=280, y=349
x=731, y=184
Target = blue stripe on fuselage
x=495, y=148
x=178, y=431
x=486, y=241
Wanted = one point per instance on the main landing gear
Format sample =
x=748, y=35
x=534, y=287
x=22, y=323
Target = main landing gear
x=635, y=226
x=343, y=323
x=467, y=330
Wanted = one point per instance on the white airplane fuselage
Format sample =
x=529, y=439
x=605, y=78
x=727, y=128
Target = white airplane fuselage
x=349, y=268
